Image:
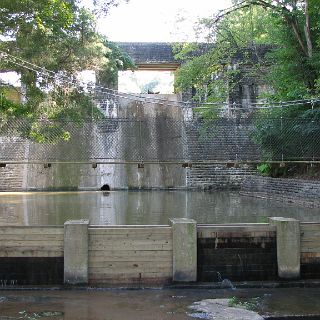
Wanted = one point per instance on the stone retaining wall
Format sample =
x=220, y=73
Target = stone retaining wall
x=11, y=178
x=210, y=176
x=300, y=192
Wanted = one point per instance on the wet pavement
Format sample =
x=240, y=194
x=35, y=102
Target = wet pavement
x=153, y=304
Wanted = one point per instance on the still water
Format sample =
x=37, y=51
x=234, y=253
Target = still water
x=142, y=207
x=148, y=304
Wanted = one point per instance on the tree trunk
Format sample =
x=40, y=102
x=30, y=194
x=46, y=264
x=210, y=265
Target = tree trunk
x=307, y=29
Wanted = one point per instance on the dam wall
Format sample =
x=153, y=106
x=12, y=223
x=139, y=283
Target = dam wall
x=143, y=143
x=103, y=152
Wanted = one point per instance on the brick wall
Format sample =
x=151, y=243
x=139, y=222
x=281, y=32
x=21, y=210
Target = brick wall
x=223, y=139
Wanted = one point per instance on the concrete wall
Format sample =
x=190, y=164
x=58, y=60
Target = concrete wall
x=139, y=131
x=152, y=131
x=295, y=191
x=149, y=52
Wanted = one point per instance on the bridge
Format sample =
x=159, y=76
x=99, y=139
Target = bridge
x=156, y=56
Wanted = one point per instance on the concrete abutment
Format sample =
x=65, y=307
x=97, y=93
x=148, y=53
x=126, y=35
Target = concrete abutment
x=76, y=244
x=288, y=247
x=184, y=250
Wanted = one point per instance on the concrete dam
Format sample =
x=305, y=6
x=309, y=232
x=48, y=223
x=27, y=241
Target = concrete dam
x=142, y=143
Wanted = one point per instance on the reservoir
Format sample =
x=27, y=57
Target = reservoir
x=143, y=208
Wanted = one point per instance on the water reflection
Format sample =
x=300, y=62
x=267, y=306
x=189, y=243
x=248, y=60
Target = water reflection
x=142, y=207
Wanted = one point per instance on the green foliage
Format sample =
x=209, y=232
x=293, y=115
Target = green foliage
x=291, y=69
x=293, y=73
x=210, y=73
x=248, y=304
x=264, y=169
x=40, y=315
x=60, y=36
x=116, y=60
x=150, y=86
x=9, y=108
x=199, y=73
x=48, y=123
x=292, y=131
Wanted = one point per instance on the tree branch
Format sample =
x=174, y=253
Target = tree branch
x=286, y=14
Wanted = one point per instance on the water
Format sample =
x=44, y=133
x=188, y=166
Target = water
x=225, y=283
x=148, y=304
x=142, y=207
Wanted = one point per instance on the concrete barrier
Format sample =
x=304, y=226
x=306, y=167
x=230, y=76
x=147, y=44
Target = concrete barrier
x=184, y=249
x=76, y=252
x=288, y=247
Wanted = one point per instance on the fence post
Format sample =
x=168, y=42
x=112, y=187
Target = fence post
x=184, y=249
x=288, y=246
x=76, y=252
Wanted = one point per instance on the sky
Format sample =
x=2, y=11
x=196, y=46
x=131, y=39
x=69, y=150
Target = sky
x=156, y=20
x=150, y=21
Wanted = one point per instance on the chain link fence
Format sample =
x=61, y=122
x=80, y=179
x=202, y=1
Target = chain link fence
x=251, y=136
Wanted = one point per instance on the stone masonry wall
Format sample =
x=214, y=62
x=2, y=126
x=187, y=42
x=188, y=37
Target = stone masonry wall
x=225, y=140
x=11, y=178
x=301, y=192
x=209, y=176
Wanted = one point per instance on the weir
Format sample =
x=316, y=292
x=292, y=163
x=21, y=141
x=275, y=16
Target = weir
x=154, y=255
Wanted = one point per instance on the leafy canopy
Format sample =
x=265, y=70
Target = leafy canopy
x=290, y=30
x=59, y=35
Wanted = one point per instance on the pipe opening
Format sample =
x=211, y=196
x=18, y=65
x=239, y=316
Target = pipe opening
x=105, y=187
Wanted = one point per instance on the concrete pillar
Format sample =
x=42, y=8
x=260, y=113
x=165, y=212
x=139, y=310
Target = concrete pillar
x=76, y=251
x=184, y=236
x=288, y=247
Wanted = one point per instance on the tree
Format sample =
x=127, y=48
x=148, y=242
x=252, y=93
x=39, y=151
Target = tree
x=292, y=28
x=102, y=7
x=209, y=68
x=60, y=36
